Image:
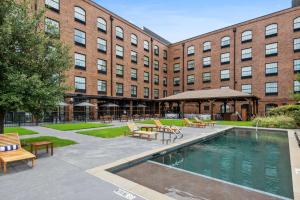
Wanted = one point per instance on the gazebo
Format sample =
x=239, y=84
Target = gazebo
x=223, y=96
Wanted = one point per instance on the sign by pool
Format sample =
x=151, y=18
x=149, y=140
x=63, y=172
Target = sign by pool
x=124, y=194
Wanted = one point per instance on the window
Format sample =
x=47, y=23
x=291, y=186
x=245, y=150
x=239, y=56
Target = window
x=297, y=65
x=51, y=27
x=191, y=51
x=101, y=24
x=165, y=68
x=225, y=75
x=119, y=33
x=206, y=77
x=156, y=65
x=190, y=79
x=247, y=88
x=102, y=66
x=120, y=70
x=102, y=87
x=297, y=45
x=101, y=45
x=297, y=24
x=246, y=72
x=133, y=74
x=156, y=94
x=225, y=58
x=79, y=37
x=272, y=88
x=271, y=69
x=296, y=86
x=165, y=56
x=134, y=40
x=119, y=89
x=225, y=42
x=80, y=84
x=146, y=61
x=206, y=46
x=146, y=45
x=272, y=49
x=156, y=50
x=79, y=61
x=246, y=36
x=133, y=90
x=146, y=92
x=79, y=15
x=176, y=67
x=146, y=77
x=271, y=30
x=165, y=81
x=246, y=54
x=206, y=62
x=176, y=81
x=133, y=56
x=268, y=107
x=119, y=51
x=165, y=93
x=52, y=4
x=156, y=79
x=191, y=65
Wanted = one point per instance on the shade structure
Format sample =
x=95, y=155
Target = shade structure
x=85, y=104
x=62, y=104
x=110, y=105
x=141, y=106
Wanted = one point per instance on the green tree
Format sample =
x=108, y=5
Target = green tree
x=32, y=62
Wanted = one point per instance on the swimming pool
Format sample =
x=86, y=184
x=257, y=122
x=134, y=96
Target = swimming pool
x=258, y=160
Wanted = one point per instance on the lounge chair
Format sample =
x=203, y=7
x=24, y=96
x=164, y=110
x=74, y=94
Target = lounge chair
x=162, y=127
x=135, y=131
x=14, y=155
x=188, y=123
x=211, y=123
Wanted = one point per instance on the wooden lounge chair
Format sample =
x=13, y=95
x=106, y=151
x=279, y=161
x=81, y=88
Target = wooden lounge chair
x=211, y=123
x=188, y=123
x=164, y=128
x=15, y=155
x=135, y=131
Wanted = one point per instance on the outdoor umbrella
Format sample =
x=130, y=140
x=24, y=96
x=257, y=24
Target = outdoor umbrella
x=60, y=104
x=109, y=105
x=85, y=105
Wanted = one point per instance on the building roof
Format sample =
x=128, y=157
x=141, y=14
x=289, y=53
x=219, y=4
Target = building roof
x=212, y=94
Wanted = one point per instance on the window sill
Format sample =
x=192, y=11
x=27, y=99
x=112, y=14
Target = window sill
x=102, y=72
x=246, y=59
x=270, y=36
x=80, y=44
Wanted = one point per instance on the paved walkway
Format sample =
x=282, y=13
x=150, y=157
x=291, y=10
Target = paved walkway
x=63, y=176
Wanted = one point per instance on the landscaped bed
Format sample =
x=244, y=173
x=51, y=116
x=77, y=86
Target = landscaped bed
x=57, y=142
x=19, y=130
x=107, y=133
x=79, y=126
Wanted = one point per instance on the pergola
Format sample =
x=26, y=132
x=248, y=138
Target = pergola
x=212, y=96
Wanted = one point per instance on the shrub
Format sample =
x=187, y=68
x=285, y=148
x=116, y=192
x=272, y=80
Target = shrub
x=288, y=110
x=281, y=121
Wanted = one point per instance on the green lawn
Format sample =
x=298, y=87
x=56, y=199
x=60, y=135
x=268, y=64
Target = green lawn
x=107, y=133
x=79, y=126
x=57, y=142
x=19, y=130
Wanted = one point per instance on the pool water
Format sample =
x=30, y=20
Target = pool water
x=259, y=160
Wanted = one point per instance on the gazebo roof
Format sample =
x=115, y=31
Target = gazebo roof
x=211, y=94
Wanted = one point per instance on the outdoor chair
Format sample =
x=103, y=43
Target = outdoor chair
x=136, y=132
x=188, y=123
x=164, y=128
x=210, y=123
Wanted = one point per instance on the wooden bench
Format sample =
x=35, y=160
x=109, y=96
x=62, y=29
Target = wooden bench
x=15, y=155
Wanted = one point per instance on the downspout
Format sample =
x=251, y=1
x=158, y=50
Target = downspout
x=111, y=56
x=151, y=69
x=234, y=58
x=183, y=68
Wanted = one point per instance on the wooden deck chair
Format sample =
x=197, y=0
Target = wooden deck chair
x=188, y=123
x=14, y=155
x=162, y=127
x=135, y=131
x=211, y=123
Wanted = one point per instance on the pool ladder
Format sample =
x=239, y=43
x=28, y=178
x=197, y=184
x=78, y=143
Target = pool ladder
x=297, y=138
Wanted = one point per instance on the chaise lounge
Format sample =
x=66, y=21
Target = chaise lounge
x=136, y=132
x=211, y=123
x=188, y=123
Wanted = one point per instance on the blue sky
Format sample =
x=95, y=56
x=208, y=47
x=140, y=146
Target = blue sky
x=176, y=20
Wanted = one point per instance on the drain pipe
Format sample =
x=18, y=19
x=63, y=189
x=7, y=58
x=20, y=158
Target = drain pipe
x=183, y=68
x=111, y=55
x=234, y=58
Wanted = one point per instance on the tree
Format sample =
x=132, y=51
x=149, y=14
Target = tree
x=32, y=62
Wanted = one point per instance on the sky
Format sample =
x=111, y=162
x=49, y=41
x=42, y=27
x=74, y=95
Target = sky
x=176, y=20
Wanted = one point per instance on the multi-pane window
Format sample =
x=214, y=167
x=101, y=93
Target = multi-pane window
x=102, y=66
x=133, y=74
x=297, y=45
x=246, y=72
x=119, y=70
x=191, y=50
x=133, y=91
x=268, y=107
x=246, y=36
x=80, y=84
x=206, y=61
x=191, y=65
x=296, y=86
x=134, y=40
x=146, y=61
x=246, y=54
x=206, y=77
x=146, y=45
x=165, y=55
x=133, y=55
x=102, y=87
x=272, y=49
x=79, y=61
x=101, y=45
x=146, y=77
x=51, y=26
x=79, y=14
x=156, y=50
x=53, y=4
x=79, y=37
x=176, y=81
x=146, y=92
x=206, y=46
x=297, y=24
x=271, y=30
x=272, y=88
x=225, y=58
x=119, y=33
x=176, y=67
x=165, y=68
x=190, y=79
x=119, y=89
x=119, y=51
x=225, y=75
x=297, y=65
x=101, y=24
x=156, y=79
x=156, y=65
x=271, y=69
x=225, y=42
x=247, y=88
x=165, y=93
x=165, y=81
x=156, y=94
